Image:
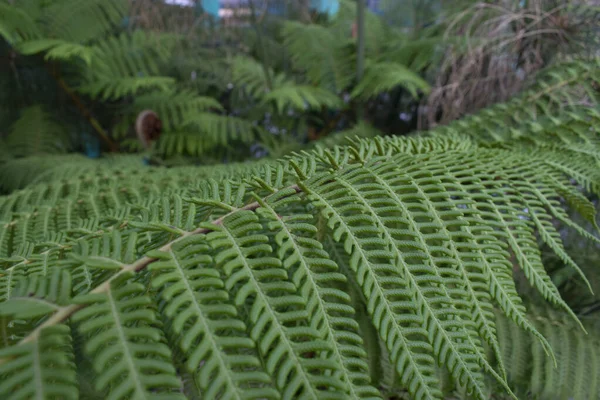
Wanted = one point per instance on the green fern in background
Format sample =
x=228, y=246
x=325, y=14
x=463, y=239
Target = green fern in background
x=105, y=76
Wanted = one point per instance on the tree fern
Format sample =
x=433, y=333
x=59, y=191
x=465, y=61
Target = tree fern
x=345, y=270
x=228, y=278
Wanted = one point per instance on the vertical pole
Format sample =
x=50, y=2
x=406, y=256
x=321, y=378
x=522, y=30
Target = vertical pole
x=360, y=27
x=261, y=45
x=360, y=47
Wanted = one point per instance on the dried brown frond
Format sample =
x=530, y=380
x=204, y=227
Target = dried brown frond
x=502, y=45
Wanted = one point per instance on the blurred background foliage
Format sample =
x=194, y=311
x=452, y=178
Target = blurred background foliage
x=236, y=79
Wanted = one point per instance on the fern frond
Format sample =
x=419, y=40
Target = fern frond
x=207, y=131
x=121, y=87
x=36, y=132
x=250, y=75
x=320, y=53
x=403, y=251
x=38, y=295
x=43, y=366
x=226, y=264
x=384, y=76
x=125, y=64
x=40, y=368
x=174, y=107
x=56, y=49
x=80, y=21
x=212, y=337
x=560, y=90
x=301, y=97
x=280, y=323
x=127, y=348
x=577, y=354
x=16, y=24
x=282, y=92
x=318, y=278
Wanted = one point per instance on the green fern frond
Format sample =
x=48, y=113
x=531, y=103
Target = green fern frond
x=56, y=49
x=173, y=107
x=112, y=89
x=319, y=280
x=544, y=106
x=321, y=54
x=234, y=370
x=125, y=64
x=281, y=92
x=207, y=131
x=250, y=75
x=38, y=295
x=127, y=348
x=80, y=21
x=43, y=366
x=286, y=339
x=36, y=132
x=302, y=97
x=384, y=76
x=16, y=25
x=576, y=352
x=40, y=368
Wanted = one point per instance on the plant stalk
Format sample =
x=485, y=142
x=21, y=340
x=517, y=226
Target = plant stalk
x=360, y=48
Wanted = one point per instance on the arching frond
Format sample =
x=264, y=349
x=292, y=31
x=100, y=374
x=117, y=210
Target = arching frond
x=301, y=97
x=321, y=54
x=128, y=351
x=384, y=76
x=80, y=21
x=577, y=354
x=126, y=64
x=173, y=107
x=43, y=367
x=56, y=49
x=16, y=25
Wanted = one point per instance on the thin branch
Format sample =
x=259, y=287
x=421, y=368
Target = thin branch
x=83, y=109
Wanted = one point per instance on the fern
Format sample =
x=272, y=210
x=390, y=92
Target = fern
x=374, y=267
x=229, y=278
x=382, y=77
x=56, y=49
x=323, y=56
x=175, y=107
x=576, y=352
x=281, y=92
x=80, y=21
x=16, y=24
x=125, y=64
x=36, y=132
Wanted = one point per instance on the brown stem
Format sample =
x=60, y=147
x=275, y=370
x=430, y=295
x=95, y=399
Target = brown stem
x=83, y=109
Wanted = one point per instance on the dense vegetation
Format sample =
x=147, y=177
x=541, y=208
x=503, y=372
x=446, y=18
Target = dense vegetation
x=288, y=235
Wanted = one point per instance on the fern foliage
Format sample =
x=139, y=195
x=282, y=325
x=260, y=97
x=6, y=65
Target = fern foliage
x=331, y=273
x=44, y=134
x=577, y=355
x=355, y=268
